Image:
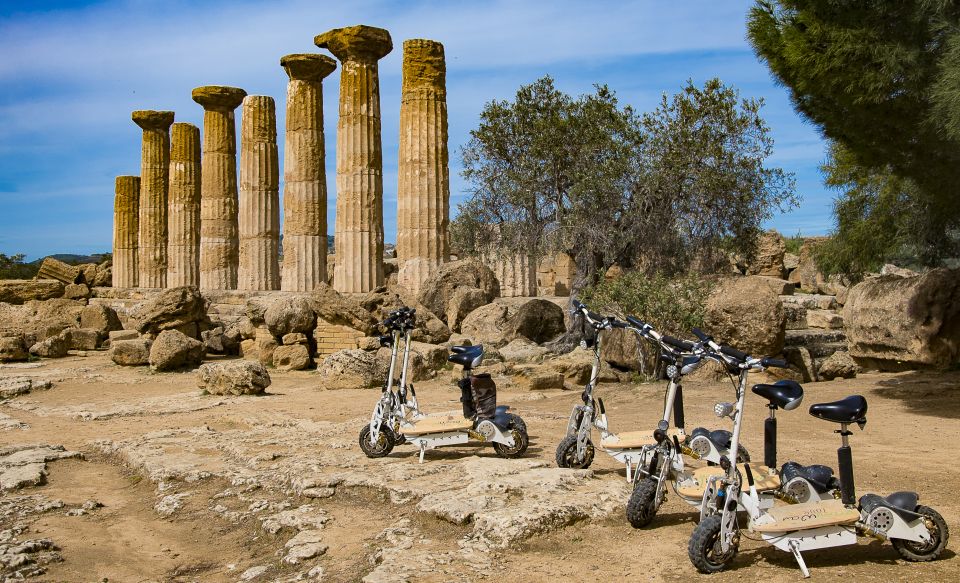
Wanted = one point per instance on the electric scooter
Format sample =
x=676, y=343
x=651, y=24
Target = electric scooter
x=917, y=532
x=397, y=418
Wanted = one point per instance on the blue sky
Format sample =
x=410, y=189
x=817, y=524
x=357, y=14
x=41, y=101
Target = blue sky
x=71, y=73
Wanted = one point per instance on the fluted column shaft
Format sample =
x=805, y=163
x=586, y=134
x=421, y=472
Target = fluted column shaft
x=359, y=223
x=126, y=231
x=154, y=185
x=423, y=194
x=183, y=209
x=219, y=242
x=304, y=174
x=259, y=267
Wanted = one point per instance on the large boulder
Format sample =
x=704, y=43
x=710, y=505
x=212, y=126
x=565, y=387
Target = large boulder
x=20, y=291
x=335, y=308
x=486, y=324
x=808, y=274
x=839, y=365
x=537, y=320
x=13, y=348
x=289, y=314
x=237, y=377
x=464, y=301
x=53, y=316
x=83, y=338
x=438, y=290
x=621, y=349
x=171, y=309
x=746, y=314
x=130, y=352
x=897, y=323
x=352, y=369
x=768, y=259
x=174, y=350
x=53, y=347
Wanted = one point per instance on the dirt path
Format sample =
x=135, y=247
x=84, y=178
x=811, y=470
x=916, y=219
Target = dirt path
x=227, y=489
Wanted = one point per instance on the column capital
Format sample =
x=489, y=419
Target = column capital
x=356, y=43
x=307, y=66
x=219, y=97
x=423, y=64
x=149, y=119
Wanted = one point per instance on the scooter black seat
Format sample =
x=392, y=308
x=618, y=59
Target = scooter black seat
x=820, y=477
x=721, y=438
x=850, y=410
x=466, y=356
x=785, y=394
x=903, y=503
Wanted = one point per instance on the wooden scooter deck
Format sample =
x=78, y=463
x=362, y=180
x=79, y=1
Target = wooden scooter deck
x=806, y=516
x=765, y=479
x=628, y=440
x=438, y=424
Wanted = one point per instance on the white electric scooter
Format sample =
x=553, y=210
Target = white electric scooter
x=918, y=532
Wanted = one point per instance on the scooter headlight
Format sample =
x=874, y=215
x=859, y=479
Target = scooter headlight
x=724, y=409
x=671, y=371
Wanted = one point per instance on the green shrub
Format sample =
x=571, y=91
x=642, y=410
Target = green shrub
x=794, y=243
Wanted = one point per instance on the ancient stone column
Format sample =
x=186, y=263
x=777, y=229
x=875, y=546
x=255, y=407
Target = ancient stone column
x=259, y=196
x=423, y=194
x=304, y=174
x=183, y=208
x=154, y=185
x=358, y=236
x=126, y=231
x=219, y=243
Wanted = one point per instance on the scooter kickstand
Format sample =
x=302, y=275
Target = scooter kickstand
x=423, y=450
x=795, y=549
x=629, y=471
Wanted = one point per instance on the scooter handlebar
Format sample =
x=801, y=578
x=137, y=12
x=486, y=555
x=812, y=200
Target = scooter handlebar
x=767, y=362
x=677, y=343
x=733, y=352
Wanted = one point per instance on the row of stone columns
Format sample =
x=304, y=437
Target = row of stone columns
x=184, y=222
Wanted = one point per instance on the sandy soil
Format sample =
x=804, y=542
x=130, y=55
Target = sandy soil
x=203, y=488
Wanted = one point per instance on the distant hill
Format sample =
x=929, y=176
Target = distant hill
x=74, y=259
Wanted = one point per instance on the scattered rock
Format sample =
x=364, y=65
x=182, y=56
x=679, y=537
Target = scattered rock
x=485, y=324
x=171, y=309
x=76, y=291
x=174, y=350
x=216, y=341
x=65, y=273
x=237, y=377
x=306, y=545
x=439, y=289
x=20, y=291
x=838, y=365
x=351, y=369
x=622, y=349
x=790, y=261
x=538, y=320
x=523, y=350
x=53, y=347
x=294, y=338
x=266, y=344
x=891, y=269
x=116, y=335
x=291, y=357
x=13, y=349
x=170, y=504
x=897, y=323
x=254, y=572
x=289, y=314
x=796, y=316
x=768, y=259
x=539, y=378
x=101, y=318
x=130, y=352
x=827, y=319
x=26, y=465
x=83, y=338
x=14, y=386
x=463, y=301
x=335, y=308
x=807, y=273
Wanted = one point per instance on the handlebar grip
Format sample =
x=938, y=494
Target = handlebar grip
x=734, y=353
x=636, y=322
x=700, y=334
x=774, y=362
x=594, y=317
x=577, y=305
x=617, y=323
x=677, y=343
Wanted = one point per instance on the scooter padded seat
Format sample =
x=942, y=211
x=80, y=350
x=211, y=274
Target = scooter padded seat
x=721, y=438
x=903, y=503
x=820, y=476
x=850, y=410
x=805, y=516
x=785, y=394
x=438, y=424
x=764, y=478
x=628, y=440
x=469, y=357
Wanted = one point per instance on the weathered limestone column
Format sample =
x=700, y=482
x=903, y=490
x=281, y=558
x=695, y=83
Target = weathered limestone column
x=126, y=231
x=359, y=225
x=219, y=243
x=304, y=174
x=154, y=185
x=183, y=209
x=423, y=194
x=259, y=196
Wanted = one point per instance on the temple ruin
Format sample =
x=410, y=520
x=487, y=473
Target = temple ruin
x=183, y=208
x=259, y=210
x=126, y=231
x=154, y=185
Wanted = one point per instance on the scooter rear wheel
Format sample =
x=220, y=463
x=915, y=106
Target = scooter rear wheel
x=567, y=454
x=642, y=506
x=922, y=552
x=520, y=442
x=384, y=445
x=704, y=547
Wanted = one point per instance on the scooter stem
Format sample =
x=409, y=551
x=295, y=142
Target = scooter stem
x=770, y=439
x=848, y=492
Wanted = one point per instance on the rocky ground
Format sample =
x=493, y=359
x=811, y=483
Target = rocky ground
x=120, y=474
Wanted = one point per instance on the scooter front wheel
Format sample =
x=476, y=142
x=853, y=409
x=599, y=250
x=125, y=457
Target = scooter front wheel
x=384, y=444
x=930, y=551
x=642, y=506
x=704, y=548
x=567, y=454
